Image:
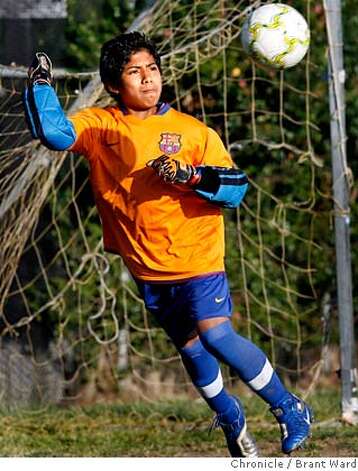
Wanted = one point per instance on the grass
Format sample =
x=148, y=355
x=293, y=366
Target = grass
x=177, y=428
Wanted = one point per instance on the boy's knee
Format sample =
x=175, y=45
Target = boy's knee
x=192, y=349
x=211, y=338
x=190, y=343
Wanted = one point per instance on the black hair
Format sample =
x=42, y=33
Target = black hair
x=116, y=53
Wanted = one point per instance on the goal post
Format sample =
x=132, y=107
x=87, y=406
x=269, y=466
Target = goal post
x=342, y=182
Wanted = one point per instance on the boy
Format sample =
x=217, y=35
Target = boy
x=159, y=178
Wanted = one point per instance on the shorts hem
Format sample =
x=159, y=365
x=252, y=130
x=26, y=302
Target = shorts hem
x=203, y=317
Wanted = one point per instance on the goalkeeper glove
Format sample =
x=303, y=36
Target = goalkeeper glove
x=40, y=71
x=174, y=171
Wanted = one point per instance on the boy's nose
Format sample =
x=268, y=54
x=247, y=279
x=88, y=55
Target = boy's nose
x=146, y=78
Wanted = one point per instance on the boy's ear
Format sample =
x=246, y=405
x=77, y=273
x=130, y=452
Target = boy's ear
x=111, y=89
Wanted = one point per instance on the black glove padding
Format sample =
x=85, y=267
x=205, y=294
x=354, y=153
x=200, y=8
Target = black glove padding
x=171, y=170
x=40, y=70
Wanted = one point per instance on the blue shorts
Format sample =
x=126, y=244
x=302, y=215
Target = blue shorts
x=178, y=306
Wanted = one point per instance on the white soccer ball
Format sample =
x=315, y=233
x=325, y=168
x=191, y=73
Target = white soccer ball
x=276, y=35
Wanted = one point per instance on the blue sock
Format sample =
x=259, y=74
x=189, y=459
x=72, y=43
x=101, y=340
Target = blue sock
x=203, y=368
x=247, y=359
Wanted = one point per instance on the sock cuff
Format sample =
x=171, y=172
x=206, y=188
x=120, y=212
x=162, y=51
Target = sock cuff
x=214, y=388
x=263, y=378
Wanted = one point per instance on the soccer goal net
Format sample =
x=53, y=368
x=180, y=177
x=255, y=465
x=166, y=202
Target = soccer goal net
x=73, y=327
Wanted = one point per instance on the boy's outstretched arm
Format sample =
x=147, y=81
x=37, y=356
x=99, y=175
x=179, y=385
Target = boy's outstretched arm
x=223, y=186
x=44, y=114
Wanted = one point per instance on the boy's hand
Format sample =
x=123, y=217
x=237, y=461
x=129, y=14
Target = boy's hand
x=40, y=70
x=174, y=171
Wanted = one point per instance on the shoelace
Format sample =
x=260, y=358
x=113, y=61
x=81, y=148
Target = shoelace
x=216, y=423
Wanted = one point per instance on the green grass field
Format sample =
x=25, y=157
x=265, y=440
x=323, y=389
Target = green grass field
x=168, y=429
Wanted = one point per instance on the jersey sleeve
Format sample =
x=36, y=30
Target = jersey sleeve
x=215, y=153
x=89, y=125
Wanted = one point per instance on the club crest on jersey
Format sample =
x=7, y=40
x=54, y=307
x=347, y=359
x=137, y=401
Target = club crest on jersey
x=170, y=143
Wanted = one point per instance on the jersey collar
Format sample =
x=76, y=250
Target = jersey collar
x=162, y=108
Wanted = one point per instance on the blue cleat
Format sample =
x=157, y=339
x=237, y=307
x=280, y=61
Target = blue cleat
x=295, y=419
x=240, y=443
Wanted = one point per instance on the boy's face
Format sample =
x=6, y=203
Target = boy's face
x=141, y=82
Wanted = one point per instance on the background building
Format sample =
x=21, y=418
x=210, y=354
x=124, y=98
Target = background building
x=30, y=25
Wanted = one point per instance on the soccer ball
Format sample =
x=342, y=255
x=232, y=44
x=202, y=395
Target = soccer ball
x=276, y=35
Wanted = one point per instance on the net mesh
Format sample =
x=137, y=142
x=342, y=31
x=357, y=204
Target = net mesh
x=72, y=325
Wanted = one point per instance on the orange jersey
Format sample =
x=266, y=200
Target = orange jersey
x=162, y=231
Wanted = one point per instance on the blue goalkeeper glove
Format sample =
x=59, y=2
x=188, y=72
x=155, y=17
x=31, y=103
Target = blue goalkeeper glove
x=40, y=70
x=174, y=171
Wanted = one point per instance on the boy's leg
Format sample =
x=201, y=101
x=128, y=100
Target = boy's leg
x=253, y=367
x=205, y=373
x=250, y=362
